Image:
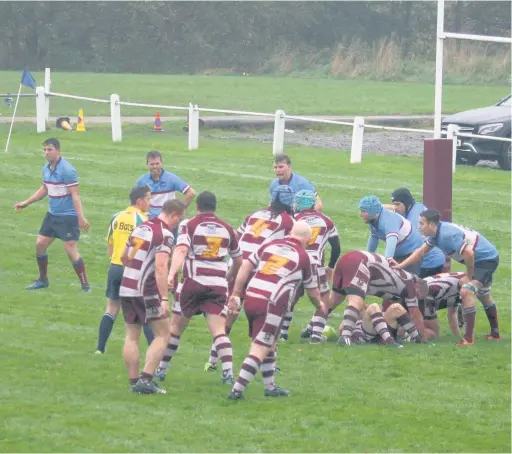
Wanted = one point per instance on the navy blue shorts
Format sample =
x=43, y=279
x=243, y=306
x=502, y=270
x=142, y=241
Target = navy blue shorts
x=63, y=227
x=484, y=269
x=115, y=276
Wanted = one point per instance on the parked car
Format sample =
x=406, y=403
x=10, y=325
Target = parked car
x=493, y=121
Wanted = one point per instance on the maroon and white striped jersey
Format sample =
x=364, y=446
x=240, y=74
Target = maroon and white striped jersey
x=210, y=242
x=366, y=273
x=322, y=227
x=280, y=266
x=146, y=240
x=260, y=228
x=443, y=290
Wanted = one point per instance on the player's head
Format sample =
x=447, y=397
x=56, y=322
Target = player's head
x=206, y=202
x=304, y=200
x=429, y=221
x=154, y=162
x=281, y=199
x=402, y=200
x=370, y=207
x=140, y=197
x=51, y=149
x=301, y=231
x=173, y=212
x=283, y=166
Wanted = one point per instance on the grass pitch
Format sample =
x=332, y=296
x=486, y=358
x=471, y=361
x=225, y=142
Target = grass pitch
x=57, y=396
x=258, y=94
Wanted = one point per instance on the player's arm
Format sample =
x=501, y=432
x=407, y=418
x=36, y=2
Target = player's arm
x=411, y=301
x=178, y=258
x=233, y=269
x=161, y=263
x=391, y=242
x=242, y=277
x=453, y=321
x=41, y=193
x=469, y=261
x=77, y=203
x=110, y=249
x=415, y=257
x=334, y=242
x=189, y=196
x=388, y=206
x=373, y=243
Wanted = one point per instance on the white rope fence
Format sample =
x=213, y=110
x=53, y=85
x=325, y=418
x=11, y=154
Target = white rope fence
x=43, y=95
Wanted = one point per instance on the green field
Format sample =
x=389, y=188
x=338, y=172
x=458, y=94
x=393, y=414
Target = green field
x=56, y=395
x=256, y=94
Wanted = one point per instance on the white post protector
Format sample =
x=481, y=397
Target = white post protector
x=115, y=118
x=279, y=125
x=451, y=133
x=356, y=152
x=193, y=127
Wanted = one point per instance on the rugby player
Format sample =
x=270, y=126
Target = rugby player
x=277, y=268
x=204, y=244
x=479, y=256
x=64, y=218
x=144, y=293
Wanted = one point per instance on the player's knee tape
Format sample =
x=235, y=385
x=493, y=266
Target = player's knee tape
x=486, y=291
x=470, y=288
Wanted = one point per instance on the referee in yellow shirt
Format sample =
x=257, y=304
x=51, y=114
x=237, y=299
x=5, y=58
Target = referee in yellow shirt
x=121, y=226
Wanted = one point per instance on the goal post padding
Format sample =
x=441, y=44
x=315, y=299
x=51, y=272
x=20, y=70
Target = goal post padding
x=437, y=178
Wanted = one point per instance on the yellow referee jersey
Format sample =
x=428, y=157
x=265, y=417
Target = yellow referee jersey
x=121, y=226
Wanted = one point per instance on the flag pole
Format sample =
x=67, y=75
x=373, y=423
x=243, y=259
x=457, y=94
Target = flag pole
x=12, y=120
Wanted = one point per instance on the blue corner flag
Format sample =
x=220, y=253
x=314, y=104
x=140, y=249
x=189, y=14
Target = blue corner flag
x=27, y=79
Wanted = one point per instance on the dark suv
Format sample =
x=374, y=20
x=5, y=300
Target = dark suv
x=492, y=121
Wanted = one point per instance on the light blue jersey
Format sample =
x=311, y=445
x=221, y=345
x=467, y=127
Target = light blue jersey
x=296, y=182
x=388, y=225
x=57, y=182
x=453, y=239
x=162, y=190
x=435, y=257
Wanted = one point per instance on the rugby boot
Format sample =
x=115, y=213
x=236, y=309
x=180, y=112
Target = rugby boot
x=228, y=379
x=493, y=336
x=394, y=344
x=209, y=367
x=344, y=341
x=283, y=337
x=160, y=373
x=236, y=395
x=147, y=387
x=86, y=288
x=276, y=391
x=37, y=284
x=306, y=333
x=317, y=339
x=465, y=342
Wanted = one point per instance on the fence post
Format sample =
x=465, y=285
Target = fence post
x=40, y=110
x=47, y=88
x=356, y=152
x=115, y=118
x=279, y=124
x=451, y=133
x=193, y=127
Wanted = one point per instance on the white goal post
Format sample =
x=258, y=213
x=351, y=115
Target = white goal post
x=441, y=36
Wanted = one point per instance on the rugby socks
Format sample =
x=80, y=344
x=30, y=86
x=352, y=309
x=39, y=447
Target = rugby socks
x=405, y=321
x=106, y=324
x=350, y=318
x=225, y=353
x=214, y=357
x=248, y=371
x=287, y=321
x=148, y=333
x=318, y=324
x=380, y=325
x=80, y=272
x=42, y=263
x=144, y=376
x=469, y=315
x=492, y=316
x=268, y=368
x=172, y=346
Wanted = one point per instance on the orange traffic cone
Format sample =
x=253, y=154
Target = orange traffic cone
x=157, y=125
x=80, y=123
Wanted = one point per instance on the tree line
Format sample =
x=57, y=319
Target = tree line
x=191, y=37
